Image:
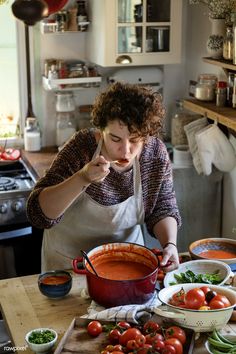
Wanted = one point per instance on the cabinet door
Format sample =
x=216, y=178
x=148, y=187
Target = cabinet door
x=135, y=32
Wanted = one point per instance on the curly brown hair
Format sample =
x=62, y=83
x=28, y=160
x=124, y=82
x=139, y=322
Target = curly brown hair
x=138, y=107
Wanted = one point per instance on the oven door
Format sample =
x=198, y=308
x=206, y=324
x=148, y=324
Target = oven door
x=20, y=250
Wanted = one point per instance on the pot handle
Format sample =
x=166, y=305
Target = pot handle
x=158, y=252
x=78, y=266
x=169, y=314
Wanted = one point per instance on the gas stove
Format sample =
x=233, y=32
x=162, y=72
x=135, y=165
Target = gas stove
x=16, y=184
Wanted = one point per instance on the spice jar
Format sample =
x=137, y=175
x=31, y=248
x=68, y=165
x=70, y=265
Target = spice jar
x=181, y=117
x=221, y=93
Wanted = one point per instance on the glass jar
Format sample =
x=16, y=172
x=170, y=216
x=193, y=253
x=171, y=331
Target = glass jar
x=32, y=138
x=205, y=88
x=228, y=44
x=181, y=117
x=66, y=127
x=65, y=102
x=84, y=120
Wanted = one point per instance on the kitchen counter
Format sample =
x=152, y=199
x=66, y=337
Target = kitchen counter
x=24, y=308
x=39, y=162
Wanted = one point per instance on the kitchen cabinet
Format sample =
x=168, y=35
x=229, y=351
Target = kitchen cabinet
x=134, y=32
x=223, y=115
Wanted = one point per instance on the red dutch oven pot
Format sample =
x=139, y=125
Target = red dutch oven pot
x=109, y=292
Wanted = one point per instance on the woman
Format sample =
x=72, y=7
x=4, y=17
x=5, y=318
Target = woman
x=107, y=181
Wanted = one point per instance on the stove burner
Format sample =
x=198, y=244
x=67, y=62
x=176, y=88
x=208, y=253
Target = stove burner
x=7, y=183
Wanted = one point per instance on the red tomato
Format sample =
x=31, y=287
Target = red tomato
x=178, y=298
x=169, y=349
x=94, y=328
x=114, y=336
x=132, y=344
x=152, y=337
x=123, y=325
x=127, y=335
x=176, y=332
x=10, y=154
x=205, y=289
x=176, y=344
x=194, y=298
x=223, y=299
x=140, y=339
x=216, y=304
x=151, y=327
x=117, y=348
x=158, y=345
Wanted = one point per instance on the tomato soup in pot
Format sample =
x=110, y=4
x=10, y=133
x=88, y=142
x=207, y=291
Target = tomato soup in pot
x=127, y=274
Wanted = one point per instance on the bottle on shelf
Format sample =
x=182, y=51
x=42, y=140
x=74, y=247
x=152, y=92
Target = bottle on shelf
x=228, y=44
x=82, y=16
x=221, y=93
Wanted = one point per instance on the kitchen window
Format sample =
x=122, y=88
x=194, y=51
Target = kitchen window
x=12, y=73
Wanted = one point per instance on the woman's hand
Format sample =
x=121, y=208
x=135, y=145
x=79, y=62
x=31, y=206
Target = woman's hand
x=95, y=171
x=170, y=260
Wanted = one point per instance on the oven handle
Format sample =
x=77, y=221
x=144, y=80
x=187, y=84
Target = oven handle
x=16, y=233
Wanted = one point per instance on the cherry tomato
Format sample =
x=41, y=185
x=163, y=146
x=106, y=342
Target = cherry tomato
x=123, y=325
x=223, y=299
x=158, y=345
x=140, y=339
x=176, y=344
x=105, y=352
x=152, y=337
x=176, y=332
x=169, y=349
x=117, y=348
x=94, y=328
x=178, y=298
x=114, y=336
x=151, y=327
x=205, y=289
x=109, y=347
x=132, y=344
x=194, y=298
x=216, y=304
x=128, y=334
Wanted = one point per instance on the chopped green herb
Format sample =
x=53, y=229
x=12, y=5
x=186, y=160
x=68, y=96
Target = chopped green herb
x=41, y=337
x=190, y=277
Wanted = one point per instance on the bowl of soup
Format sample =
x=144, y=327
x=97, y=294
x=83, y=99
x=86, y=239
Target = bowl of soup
x=126, y=274
x=55, y=284
x=221, y=249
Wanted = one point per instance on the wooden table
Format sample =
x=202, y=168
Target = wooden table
x=24, y=308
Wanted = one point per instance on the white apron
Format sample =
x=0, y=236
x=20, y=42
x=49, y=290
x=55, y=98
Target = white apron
x=87, y=224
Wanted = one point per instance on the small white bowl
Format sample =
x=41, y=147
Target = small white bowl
x=41, y=348
x=199, y=267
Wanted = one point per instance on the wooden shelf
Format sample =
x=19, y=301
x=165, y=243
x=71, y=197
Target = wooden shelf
x=71, y=84
x=224, y=64
x=223, y=115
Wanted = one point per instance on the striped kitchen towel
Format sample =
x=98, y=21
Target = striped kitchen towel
x=134, y=313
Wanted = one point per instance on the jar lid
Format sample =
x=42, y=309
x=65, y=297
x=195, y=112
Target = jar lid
x=222, y=84
x=207, y=77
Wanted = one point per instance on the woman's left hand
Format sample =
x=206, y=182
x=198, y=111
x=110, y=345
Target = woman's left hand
x=170, y=260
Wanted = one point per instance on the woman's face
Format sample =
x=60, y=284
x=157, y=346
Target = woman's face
x=119, y=144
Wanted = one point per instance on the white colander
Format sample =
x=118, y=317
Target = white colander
x=199, y=321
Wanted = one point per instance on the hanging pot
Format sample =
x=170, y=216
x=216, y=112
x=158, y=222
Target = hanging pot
x=55, y=5
x=30, y=11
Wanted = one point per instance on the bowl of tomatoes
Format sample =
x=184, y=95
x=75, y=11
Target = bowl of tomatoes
x=197, y=306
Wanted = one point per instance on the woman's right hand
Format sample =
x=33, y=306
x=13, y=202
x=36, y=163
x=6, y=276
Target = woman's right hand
x=95, y=171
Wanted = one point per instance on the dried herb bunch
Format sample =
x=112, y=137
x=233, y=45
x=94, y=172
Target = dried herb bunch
x=218, y=8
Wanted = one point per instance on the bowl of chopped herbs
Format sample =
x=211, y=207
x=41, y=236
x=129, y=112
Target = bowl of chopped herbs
x=199, y=271
x=41, y=340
